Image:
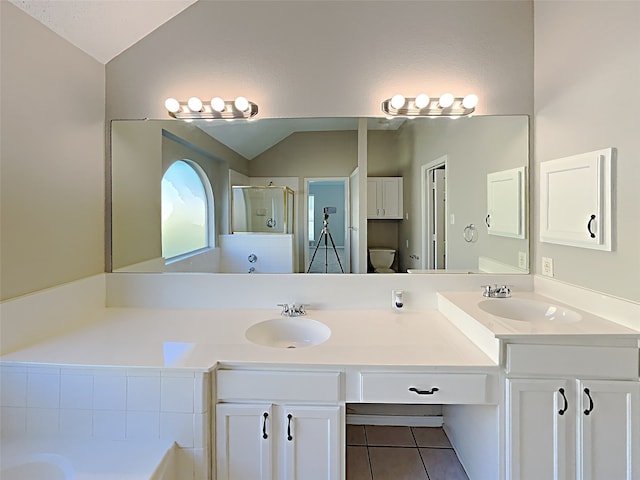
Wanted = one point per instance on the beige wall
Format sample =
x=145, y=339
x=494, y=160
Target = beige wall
x=308, y=155
x=140, y=156
x=328, y=58
x=474, y=147
x=52, y=154
x=587, y=73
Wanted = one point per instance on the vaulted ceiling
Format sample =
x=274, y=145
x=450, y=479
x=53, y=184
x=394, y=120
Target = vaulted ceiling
x=103, y=28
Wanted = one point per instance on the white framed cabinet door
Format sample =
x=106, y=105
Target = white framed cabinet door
x=391, y=197
x=576, y=200
x=540, y=430
x=374, y=198
x=311, y=448
x=609, y=428
x=244, y=441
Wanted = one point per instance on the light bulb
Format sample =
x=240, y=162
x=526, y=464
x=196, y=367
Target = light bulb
x=422, y=101
x=172, y=105
x=446, y=100
x=470, y=101
x=397, y=101
x=217, y=104
x=241, y=104
x=194, y=104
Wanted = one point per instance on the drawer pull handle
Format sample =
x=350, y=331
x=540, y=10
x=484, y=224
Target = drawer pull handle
x=424, y=392
x=265, y=435
x=566, y=403
x=591, y=220
x=289, y=437
x=590, y=409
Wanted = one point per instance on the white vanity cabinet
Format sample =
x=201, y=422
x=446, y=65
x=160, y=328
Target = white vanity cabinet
x=278, y=425
x=571, y=425
x=384, y=198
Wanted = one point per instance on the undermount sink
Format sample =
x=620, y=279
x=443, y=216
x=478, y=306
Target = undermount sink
x=525, y=310
x=288, y=332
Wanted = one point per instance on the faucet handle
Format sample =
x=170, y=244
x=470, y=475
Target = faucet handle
x=487, y=290
x=299, y=309
x=504, y=289
x=285, y=308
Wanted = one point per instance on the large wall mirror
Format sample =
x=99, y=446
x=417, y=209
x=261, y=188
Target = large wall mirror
x=285, y=195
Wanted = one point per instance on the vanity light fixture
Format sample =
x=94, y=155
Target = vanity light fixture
x=217, y=108
x=424, y=106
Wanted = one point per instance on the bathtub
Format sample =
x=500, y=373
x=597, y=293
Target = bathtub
x=65, y=459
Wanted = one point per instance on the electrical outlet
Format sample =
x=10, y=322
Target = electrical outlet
x=547, y=266
x=522, y=260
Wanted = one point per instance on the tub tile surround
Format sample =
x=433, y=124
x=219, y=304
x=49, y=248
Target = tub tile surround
x=135, y=405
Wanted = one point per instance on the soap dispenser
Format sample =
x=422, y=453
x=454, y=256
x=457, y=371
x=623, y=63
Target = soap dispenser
x=397, y=301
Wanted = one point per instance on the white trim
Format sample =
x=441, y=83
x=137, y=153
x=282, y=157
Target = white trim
x=347, y=217
x=395, y=420
x=443, y=160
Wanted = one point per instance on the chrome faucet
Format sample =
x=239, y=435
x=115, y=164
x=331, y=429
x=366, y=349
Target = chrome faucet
x=503, y=291
x=292, y=310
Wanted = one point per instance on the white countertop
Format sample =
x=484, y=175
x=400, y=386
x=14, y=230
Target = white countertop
x=199, y=339
x=589, y=326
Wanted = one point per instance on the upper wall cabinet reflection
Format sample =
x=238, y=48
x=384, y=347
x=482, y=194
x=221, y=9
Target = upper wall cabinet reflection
x=432, y=232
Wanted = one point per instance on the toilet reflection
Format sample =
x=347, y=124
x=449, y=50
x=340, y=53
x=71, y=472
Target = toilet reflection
x=382, y=259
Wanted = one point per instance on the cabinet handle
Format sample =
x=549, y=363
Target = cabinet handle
x=424, y=392
x=566, y=403
x=289, y=437
x=591, y=219
x=265, y=435
x=486, y=220
x=590, y=409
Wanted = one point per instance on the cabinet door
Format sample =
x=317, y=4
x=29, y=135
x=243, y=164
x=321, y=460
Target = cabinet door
x=506, y=203
x=391, y=197
x=311, y=438
x=243, y=441
x=609, y=426
x=540, y=430
x=374, y=198
x=575, y=200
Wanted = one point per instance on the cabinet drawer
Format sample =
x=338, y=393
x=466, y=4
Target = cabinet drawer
x=276, y=386
x=591, y=362
x=425, y=388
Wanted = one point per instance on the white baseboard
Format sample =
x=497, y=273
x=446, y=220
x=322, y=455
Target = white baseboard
x=395, y=420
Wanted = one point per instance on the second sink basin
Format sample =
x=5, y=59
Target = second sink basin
x=288, y=332
x=525, y=310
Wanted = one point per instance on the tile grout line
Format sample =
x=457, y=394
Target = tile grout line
x=419, y=454
x=366, y=442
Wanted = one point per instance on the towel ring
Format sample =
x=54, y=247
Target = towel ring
x=470, y=233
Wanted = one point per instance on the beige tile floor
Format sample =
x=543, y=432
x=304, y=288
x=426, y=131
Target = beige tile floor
x=401, y=453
